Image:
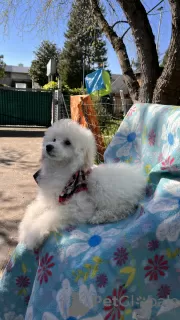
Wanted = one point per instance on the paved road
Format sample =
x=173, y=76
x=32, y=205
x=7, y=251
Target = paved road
x=20, y=151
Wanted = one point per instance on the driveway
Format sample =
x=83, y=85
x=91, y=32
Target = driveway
x=20, y=152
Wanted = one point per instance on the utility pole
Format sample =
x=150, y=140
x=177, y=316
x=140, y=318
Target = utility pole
x=159, y=28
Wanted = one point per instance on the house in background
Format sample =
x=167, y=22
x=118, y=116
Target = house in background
x=17, y=77
x=118, y=84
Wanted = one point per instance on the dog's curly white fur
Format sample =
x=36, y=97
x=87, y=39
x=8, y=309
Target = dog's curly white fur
x=113, y=189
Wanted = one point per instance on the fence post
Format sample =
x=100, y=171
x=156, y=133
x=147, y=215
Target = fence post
x=60, y=110
x=123, y=102
x=55, y=106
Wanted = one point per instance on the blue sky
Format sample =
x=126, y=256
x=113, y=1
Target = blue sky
x=18, y=48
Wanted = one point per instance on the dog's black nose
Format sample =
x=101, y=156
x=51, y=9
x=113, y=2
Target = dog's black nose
x=49, y=148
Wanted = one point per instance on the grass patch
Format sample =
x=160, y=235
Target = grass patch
x=110, y=127
x=108, y=131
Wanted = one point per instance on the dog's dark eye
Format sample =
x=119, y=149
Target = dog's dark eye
x=67, y=142
x=54, y=140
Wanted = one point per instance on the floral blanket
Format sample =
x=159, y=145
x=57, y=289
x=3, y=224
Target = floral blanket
x=125, y=270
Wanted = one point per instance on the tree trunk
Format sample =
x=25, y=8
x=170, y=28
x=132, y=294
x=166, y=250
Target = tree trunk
x=120, y=50
x=144, y=39
x=167, y=90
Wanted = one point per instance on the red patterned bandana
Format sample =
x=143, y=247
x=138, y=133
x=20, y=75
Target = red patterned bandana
x=76, y=184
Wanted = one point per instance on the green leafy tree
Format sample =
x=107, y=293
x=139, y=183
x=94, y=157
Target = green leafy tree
x=84, y=47
x=2, y=66
x=43, y=54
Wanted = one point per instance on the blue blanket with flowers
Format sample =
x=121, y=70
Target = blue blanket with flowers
x=124, y=270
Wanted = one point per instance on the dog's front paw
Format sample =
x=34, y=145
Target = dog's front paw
x=32, y=238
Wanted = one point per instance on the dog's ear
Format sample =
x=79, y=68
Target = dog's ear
x=88, y=161
x=86, y=150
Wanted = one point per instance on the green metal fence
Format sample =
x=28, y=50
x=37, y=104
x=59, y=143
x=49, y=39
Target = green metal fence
x=25, y=108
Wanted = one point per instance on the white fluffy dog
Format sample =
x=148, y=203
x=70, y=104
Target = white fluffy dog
x=70, y=192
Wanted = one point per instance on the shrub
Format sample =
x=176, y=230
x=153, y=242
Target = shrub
x=72, y=92
x=4, y=85
x=52, y=85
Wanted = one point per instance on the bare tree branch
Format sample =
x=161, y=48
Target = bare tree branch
x=111, y=6
x=120, y=50
x=33, y=14
x=144, y=39
x=157, y=5
x=167, y=89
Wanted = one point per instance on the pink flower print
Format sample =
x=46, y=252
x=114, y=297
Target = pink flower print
x=70, y=228
x=178, y=270
x=9, y=266
x=44, y=268
x=167, y=164
x=149, y=190
x=164, y=291
x=151, y=137
x=160, y=157
x=156, y=267
x=26, y=300
x=141, y=212
x=131, y=111
x=101, y=280
x=36, y=253
x=121, y=256
x=114, y=310
x=153, y=245
x=116, y=160
x=22, y=281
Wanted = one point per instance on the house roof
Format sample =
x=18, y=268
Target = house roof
x=17, y=69
x=118, y=83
